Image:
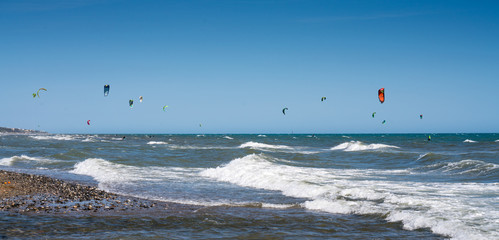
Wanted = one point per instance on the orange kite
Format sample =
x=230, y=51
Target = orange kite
x=381, y=95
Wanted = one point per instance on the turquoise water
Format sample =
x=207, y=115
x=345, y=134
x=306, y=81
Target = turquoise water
x=273, y=186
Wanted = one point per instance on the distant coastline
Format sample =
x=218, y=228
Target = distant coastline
x=18, y=130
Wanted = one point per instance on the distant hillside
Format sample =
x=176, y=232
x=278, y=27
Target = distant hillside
x=17, y=130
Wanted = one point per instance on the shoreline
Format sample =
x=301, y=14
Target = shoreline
x=37, y=194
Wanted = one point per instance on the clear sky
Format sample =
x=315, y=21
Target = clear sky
x=233, y=65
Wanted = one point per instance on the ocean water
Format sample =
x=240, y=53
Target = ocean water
x=393, y=186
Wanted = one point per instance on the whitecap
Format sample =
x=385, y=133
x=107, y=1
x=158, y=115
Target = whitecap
x=257, y=145
x=156, y=143
x=53, y=137
x=469, y=141
x=354, y=146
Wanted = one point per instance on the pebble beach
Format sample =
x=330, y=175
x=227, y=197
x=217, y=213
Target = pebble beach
x=28, y=193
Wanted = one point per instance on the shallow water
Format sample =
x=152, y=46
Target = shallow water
x=273, y=186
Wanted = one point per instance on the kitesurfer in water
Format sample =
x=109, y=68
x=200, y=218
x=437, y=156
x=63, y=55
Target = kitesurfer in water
x=429, y=138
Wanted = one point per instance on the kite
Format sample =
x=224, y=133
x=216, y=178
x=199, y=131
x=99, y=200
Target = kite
x=38, y=92
x=164, y=107
x=323, y=98
x=284, y=111
x=140, y=98
x=384, y=121
x=374, y=114
x=106, y=90
x=130, y=103
x=34, y=95
x=381, y=95
x=88, y=122
x=421, y=116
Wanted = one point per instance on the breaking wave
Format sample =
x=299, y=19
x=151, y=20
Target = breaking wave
x=354, y=146
x=54, y=137
x=23, y=158
x=156, y=143
x=260, y=146
x=441, y=207
x=468, y=167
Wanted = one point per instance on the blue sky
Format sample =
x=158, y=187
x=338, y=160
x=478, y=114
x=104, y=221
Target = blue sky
x=232, y=66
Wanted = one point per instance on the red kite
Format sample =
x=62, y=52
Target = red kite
x=381, y=95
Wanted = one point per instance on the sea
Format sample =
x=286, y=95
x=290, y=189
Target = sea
x=271, y=186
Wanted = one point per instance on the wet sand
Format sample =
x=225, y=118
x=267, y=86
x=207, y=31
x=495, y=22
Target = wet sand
x=35, y=194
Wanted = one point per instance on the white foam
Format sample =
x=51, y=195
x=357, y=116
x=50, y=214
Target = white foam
x=38, y=160
x=89, y=139
x=354, y=146
x=227, y=137
x=156, y=143
x=451, y=209
x=257, y=145
x=54, y=137
x=469, y=141
x=110, y=176
x=262, y=135
x=108, y=172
